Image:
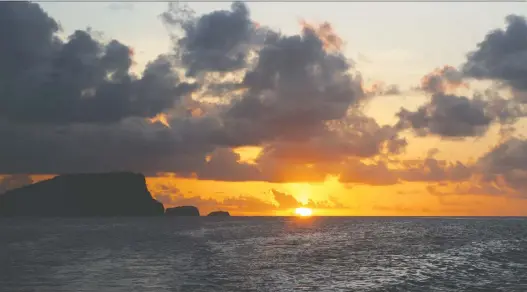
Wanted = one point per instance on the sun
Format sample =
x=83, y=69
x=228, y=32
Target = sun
x=303, y=212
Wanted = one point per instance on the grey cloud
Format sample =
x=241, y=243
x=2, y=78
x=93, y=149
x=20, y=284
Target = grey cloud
x=501, y=171
x=471, y=188
x=448, y=116
x=442, y=80
x=295, y=88
x=131, y=146
x=74, y=105
x=502, y=55
x=380, y=89
x=428, y=170
x=225, y=165
x=355, y=135
x=434, y=170
x=82, y=80
x=285, y=200
x=369, y=174
x=506, y=162
x=503, y=110
x=216, y=42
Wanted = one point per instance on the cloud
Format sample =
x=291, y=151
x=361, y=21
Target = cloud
x=294, y=88
x=448, y=116
x=442, y=80
x=74, y=105
x=168, y=194
x=326, y=34
x=225, y=165
x=219, y=41
x=79, y=102
x=434, y=170
x=134, y=146
x=379, y=88
x=80, y=80
x=502, y=55
x=501, y=171
x=377, y=174
x=285, y=201
x=429, y=170
x=506, y=163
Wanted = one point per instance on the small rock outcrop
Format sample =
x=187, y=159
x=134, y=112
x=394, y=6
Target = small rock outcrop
x=182, y=211
x=219, y=214
x=73, y=195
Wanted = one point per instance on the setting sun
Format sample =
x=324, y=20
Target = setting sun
x=303, y=212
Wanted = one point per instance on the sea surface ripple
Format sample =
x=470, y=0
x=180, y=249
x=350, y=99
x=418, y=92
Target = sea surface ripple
x=263, y=254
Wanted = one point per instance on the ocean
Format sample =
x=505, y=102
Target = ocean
x=263, y=254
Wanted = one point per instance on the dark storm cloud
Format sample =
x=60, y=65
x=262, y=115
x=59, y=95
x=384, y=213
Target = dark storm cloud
x=224, y=164
x=74, y=106
x=502, y=55
x=448, y=116
x=131, y=146
x=216, y=42
x=293, y=90
x=46, y=80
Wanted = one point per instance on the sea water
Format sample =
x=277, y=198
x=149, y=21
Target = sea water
x=263, y=254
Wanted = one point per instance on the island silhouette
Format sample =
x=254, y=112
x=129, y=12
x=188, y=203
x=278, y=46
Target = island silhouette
x=87, y=195
x=182, y=211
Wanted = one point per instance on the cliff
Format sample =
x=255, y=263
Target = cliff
x=104, y=194
x=219, y=214
x=182, y=211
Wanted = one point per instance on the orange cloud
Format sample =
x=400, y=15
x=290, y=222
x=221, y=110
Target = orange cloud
x=161, y=118
x=325, y=32
x=443, y=80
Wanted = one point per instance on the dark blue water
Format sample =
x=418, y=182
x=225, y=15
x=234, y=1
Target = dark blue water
x=263, y=254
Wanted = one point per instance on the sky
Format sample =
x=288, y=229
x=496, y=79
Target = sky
x=356, y=108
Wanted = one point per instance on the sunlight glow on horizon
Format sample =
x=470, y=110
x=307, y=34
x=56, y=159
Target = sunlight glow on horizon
x=303, y=212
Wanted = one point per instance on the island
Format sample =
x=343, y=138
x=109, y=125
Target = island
x=219, y=214
x=182, y=211
x=74, y=195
